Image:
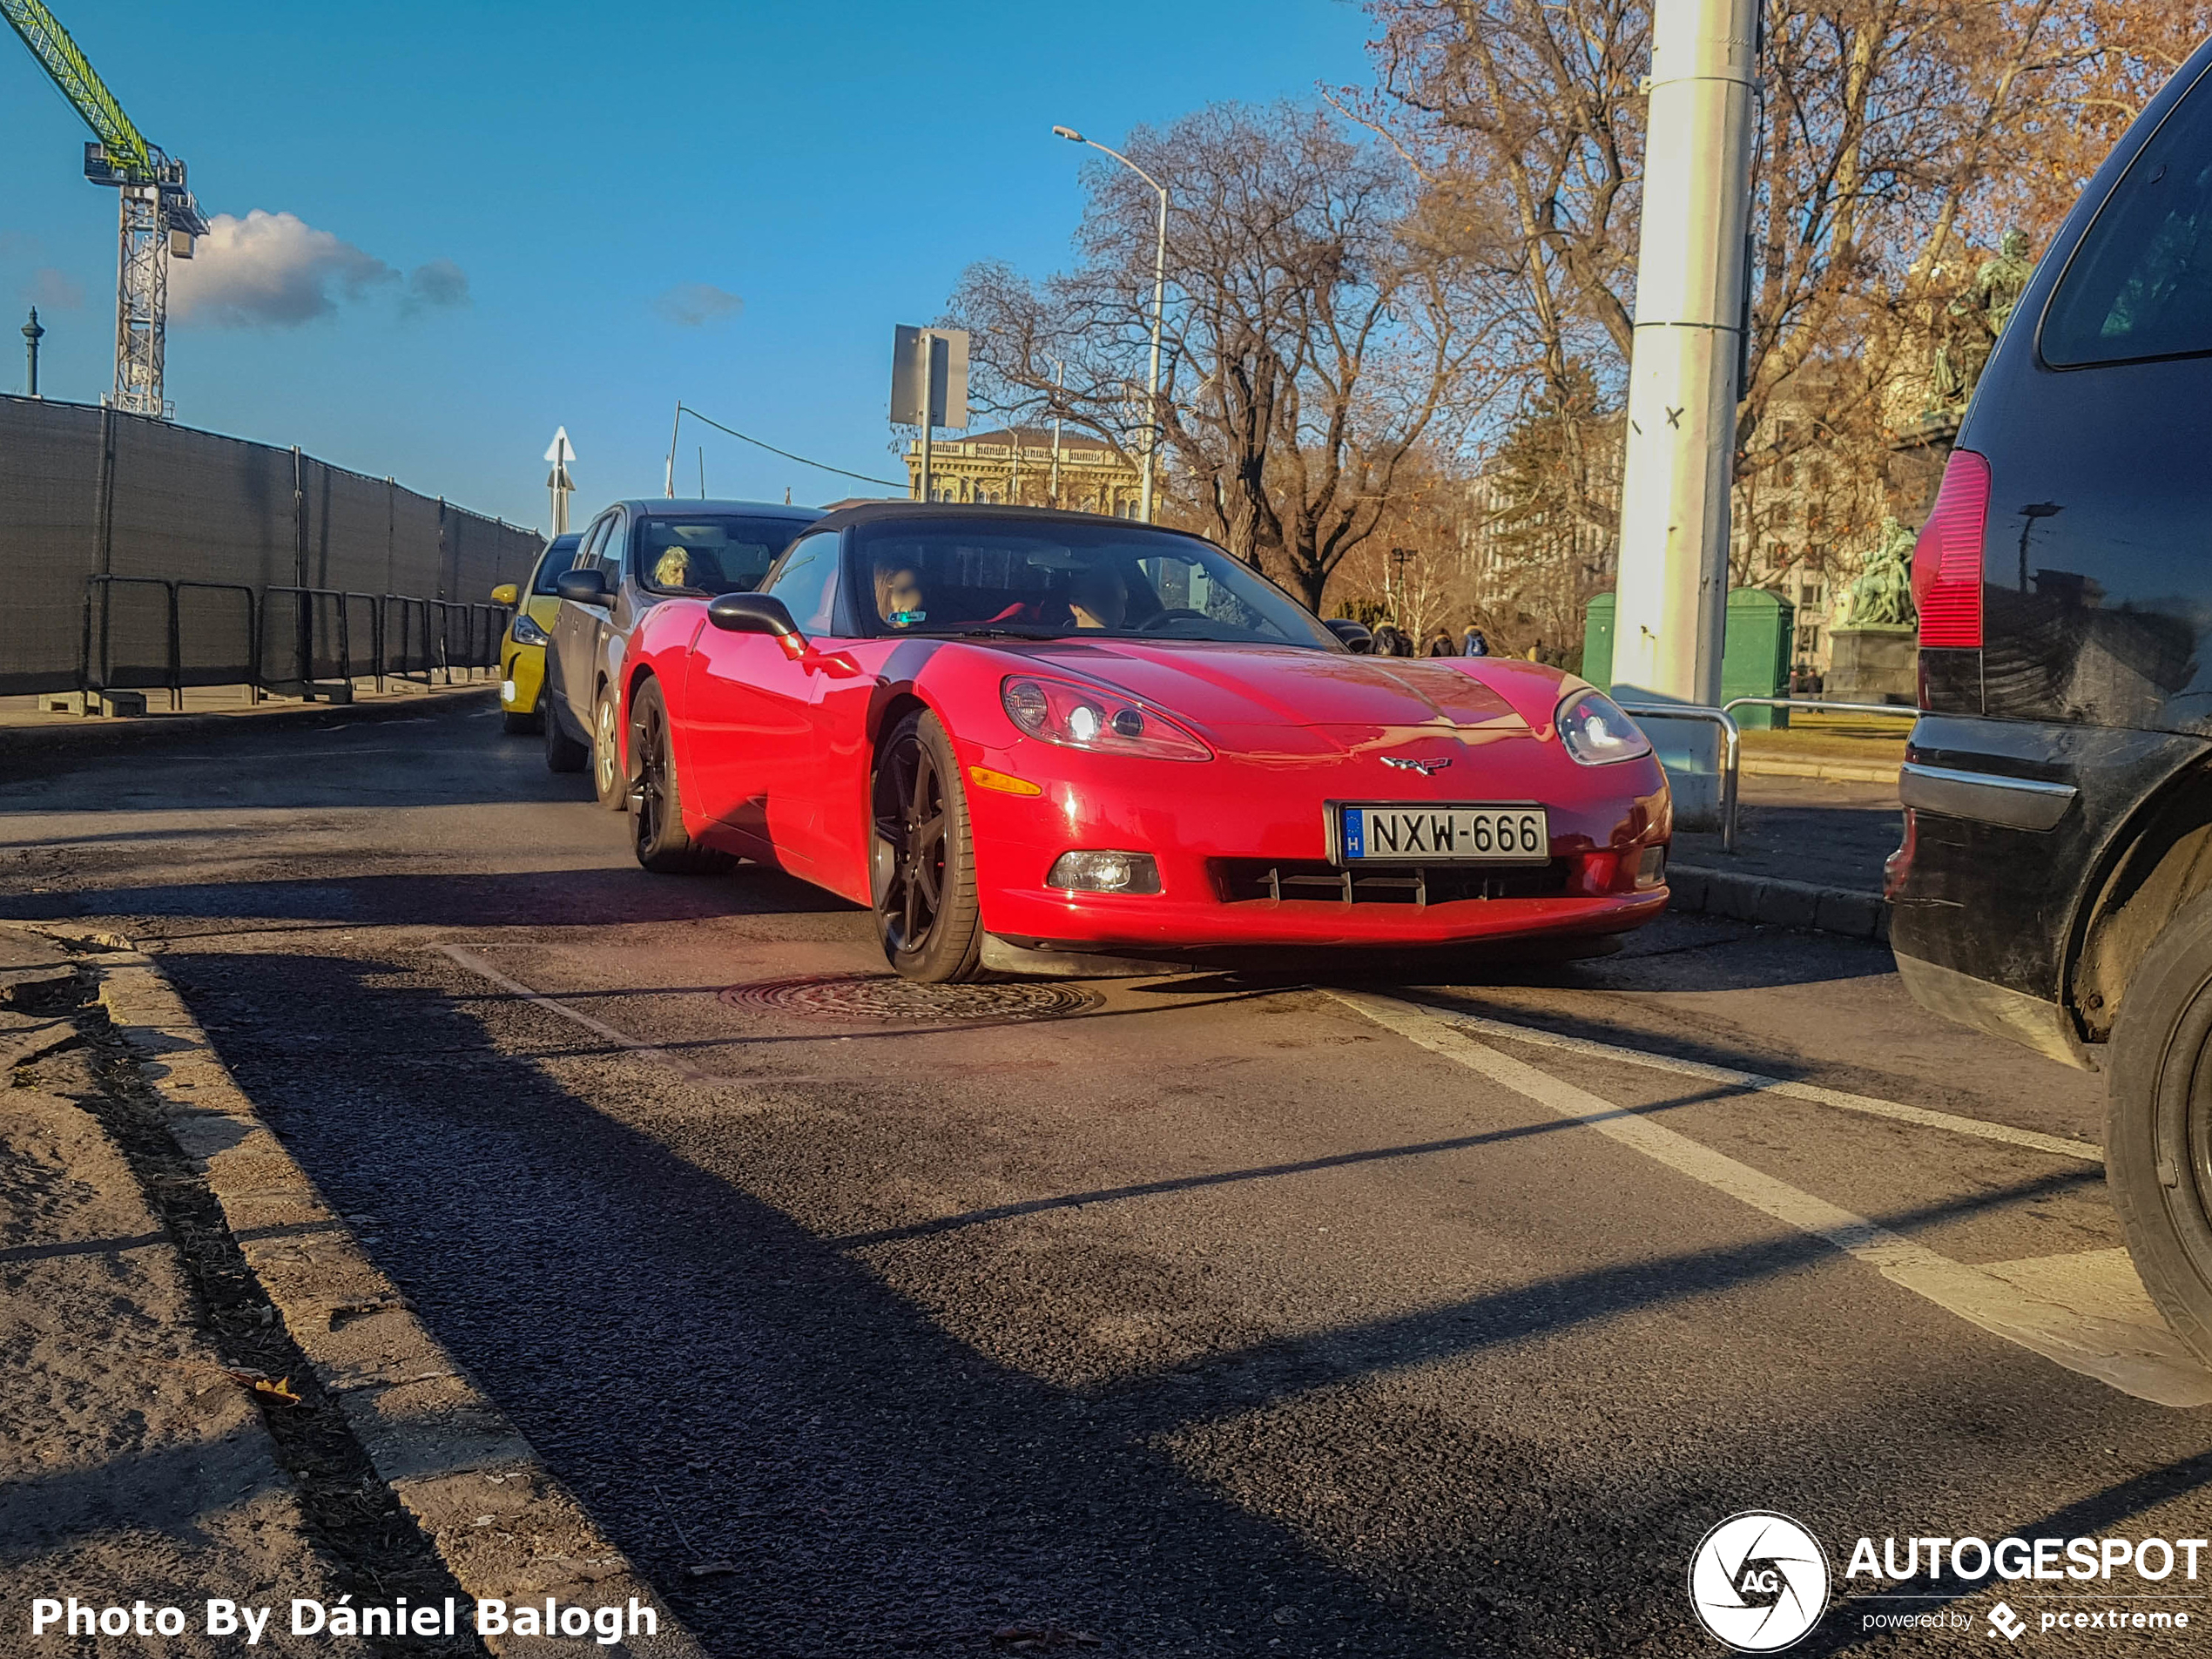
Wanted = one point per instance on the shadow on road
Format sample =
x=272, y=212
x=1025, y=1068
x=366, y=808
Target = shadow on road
x=717, y=1381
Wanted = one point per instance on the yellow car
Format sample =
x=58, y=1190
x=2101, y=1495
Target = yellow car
x=521, y=650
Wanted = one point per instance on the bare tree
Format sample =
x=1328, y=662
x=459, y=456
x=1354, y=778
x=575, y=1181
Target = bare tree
x=1311, y=339
x=1894, y=137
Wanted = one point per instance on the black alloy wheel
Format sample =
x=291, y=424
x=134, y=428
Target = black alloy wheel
x=923, y=857
x=656, y=833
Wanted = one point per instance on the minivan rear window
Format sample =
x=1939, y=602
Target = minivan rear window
x=2140, y=286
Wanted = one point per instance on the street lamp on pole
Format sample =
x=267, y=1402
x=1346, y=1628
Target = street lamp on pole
x=1159, y=309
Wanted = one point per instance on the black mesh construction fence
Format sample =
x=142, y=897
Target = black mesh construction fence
x=145, y=554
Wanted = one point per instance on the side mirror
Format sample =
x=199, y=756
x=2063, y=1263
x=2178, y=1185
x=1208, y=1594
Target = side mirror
x=1358, y=637
x=504, y=594
x=586, y=587
x=755, y=613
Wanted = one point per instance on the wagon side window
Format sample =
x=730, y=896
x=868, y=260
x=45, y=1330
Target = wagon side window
x=2140, y=284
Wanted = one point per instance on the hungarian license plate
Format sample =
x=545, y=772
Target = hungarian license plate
x=1442, y=835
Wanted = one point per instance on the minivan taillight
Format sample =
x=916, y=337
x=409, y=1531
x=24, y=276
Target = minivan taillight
x=1946, y=560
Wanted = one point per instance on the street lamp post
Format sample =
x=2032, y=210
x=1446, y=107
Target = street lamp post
x=1159, y=309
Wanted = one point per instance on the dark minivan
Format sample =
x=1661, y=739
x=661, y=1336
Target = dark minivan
x=2055, y=881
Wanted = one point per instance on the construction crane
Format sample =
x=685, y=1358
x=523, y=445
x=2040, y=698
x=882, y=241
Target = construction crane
x=159, y=217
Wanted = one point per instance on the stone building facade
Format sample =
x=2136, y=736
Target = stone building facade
x=1021, y=466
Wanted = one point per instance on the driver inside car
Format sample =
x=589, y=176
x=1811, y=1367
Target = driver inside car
x=674, y=570
x=898, y=595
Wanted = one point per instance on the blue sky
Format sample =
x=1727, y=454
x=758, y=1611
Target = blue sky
x=833, y=165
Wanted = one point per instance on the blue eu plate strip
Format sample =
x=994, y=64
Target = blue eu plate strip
x=1355, y=832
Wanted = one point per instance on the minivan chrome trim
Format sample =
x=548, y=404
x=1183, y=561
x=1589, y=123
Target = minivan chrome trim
x=2015, y=803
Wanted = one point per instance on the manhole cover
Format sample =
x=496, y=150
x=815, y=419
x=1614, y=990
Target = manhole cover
x=886, y=997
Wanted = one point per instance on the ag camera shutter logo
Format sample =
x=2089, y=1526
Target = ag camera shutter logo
x=1758, y=1581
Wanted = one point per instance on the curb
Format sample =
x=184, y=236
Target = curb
x=68, y=738
x=1774, y=902
x=499, y=1519
x=1855, y=771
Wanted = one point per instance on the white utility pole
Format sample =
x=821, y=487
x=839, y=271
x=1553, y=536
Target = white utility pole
x=1059, y=387
x=1673, y=590
x=1159, y=311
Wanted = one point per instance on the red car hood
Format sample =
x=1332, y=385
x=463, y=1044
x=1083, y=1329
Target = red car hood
x=1232, y=694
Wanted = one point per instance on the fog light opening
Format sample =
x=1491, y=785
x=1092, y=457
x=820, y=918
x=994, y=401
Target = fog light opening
x=1651, y=867
x=1104, y=872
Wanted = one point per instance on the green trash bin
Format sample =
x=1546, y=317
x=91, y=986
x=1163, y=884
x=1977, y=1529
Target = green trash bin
x=1597, y=641
x=1755, y=661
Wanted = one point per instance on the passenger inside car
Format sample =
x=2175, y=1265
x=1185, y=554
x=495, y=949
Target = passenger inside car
x=1097, y=597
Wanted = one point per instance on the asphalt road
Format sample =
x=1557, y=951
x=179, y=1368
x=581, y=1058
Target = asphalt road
x=1195, y=1314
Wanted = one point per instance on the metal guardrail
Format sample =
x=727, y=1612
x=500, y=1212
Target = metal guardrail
x=1732, y=739
x=480, y=626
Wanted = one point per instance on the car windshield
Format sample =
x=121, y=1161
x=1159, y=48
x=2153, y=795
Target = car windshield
x=560, y=553
x=1033, y=578
x=705, y=553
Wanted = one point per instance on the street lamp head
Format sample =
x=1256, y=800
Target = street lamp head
x=1068, y=133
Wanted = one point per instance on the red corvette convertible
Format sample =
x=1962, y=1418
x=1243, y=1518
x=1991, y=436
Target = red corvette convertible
x=1010, y=731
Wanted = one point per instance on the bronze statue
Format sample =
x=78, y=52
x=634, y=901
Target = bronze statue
x=1976, y=318
x=1882, y=597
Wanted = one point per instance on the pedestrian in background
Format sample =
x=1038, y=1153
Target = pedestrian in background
x=1442, y=646
x=1391, y=643
x=1474, y=642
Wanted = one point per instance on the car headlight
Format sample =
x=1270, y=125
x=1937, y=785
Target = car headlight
x=1081, y=718
x=1596, y=731
x=527, y=633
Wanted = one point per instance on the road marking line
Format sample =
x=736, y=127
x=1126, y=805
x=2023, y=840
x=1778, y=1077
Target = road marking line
x=483, y=969
x=2149, y=1365
x=621, y=1039
x=1758, y=1082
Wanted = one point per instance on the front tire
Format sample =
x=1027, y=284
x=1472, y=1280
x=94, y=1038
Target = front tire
x=2158, y=1123
x=519, y=725
x=608, y=778
x=921, y=857
x=656, y=833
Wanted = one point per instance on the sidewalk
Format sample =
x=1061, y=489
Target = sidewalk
x=132, y=1449
x=208, y=1391
x=1810, y=853
x=26, y=733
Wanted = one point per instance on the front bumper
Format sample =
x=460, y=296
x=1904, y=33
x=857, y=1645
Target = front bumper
x=522, y=676
x=1243, y=856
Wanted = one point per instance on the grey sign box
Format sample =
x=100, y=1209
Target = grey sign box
x=948, y=388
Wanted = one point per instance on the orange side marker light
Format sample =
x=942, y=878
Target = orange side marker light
x=984, y=777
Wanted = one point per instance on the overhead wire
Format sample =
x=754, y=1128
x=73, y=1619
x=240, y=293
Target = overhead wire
x=686, y=408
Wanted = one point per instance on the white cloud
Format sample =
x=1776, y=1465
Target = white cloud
x=693, y=305
x=439, y=284
x=55, y=289
x=270, y=270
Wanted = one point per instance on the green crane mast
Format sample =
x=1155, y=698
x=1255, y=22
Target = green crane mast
x=159, y=217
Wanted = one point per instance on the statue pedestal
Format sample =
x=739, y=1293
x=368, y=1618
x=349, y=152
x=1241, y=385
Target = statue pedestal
x=1873, y=663
x=1918, y=451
